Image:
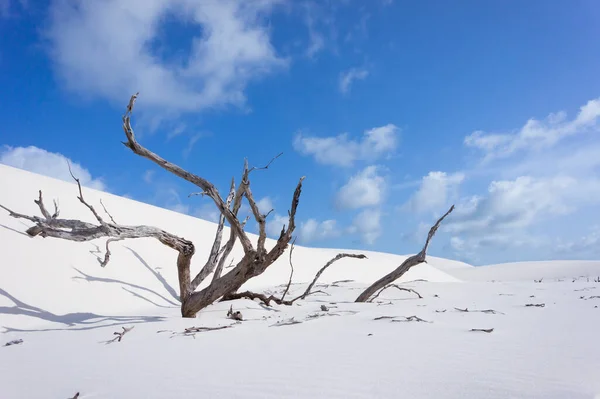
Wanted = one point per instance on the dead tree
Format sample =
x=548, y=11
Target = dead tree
x=405, y=266
x=254, y=262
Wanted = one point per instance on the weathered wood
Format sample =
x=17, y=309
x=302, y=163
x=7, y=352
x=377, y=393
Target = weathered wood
x=287, y=288
x=253, y=263
x=405, y=266
x=331, y=262
x=393, y=286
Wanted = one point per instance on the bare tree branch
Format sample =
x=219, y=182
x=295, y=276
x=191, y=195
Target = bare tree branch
x=107, y=212
x=405, y=266
x=394, y=286
x=331, y=262
x=91, y=208
x=291, y=272
x=281, y=301
x=267, y=165
x=76, y=230
x=215, y=251
x=108, y=253
x=40, y=204
x=204, y=184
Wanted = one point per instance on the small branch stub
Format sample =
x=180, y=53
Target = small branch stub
x=120, y=335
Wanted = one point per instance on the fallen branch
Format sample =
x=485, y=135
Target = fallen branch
x=76, y=396
x=336, y=283
x=490, y=311
x=193, y=330
x=394, y=286
x=485, y=330
x=405, y=266
x=412, y=318
x=384, y=317
x=405, y=319
x=280, y=301
x=287, y=322
x=15, y=342
x=536, y=305
x=332, y=261
x=237, y=315
x=120, y=335
x=254, y=295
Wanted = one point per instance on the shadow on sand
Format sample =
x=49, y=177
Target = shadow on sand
x=71, y=321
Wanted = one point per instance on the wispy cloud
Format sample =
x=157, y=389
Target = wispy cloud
x=149, y=176
x=342, y=151
x=348, y=77
x=190, y=145
x=536, y=134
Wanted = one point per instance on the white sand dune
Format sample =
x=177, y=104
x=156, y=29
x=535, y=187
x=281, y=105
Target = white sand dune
x=528, y=271
x=56, y=298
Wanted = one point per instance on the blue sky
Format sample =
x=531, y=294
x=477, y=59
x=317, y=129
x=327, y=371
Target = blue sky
x=393, y=110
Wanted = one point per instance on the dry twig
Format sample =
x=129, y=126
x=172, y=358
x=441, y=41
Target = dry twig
x=394, y=286
x=120, y=335
x=485, y=330
x=489, y=311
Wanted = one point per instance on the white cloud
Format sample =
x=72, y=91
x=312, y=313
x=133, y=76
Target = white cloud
x=503, y=218
x=519, y=203
x=342, y=151
x=585, y=245
x=40, y=161
x=307, y=231
x=148, y=176
x=536, y=134
x=265, y=205
x=313, y=230
x=366, y=188
x=434, y=191
x=105, y=49
x=349, y=76
x=368, y=224
x=275, y=223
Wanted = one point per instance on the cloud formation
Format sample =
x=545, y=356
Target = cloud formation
x=345, y=152
x=51, y=164
x=108, y=49
x=434, y=191
x=367, y=224
x=349, y=76
x=366, y=188
x=536, y=134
